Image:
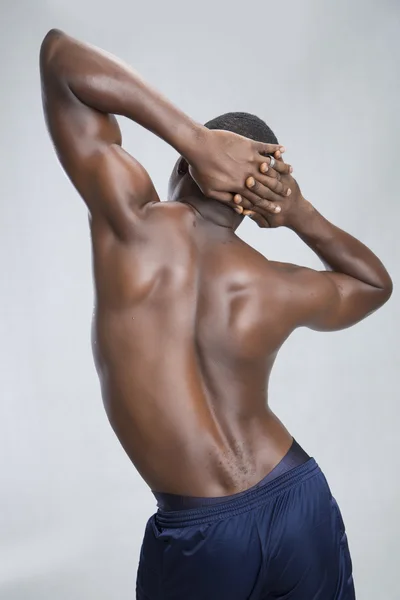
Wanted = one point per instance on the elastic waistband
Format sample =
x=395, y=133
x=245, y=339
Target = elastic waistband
x=234, y=506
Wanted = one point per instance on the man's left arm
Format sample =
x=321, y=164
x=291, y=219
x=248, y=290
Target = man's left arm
x=84, y=87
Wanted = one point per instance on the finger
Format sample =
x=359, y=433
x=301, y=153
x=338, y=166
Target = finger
x=261, y=203
x=267, y=170
x=278, y=165
x=235, y=201
x=281, y=161
x=282, y=167
x=265, y=207
x=274, y=174
x=273, y=182
x=224, y=197
x=240, y=200
x=266, y=149
x=257, y=218
x=266, y=190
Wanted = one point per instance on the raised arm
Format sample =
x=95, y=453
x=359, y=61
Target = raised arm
x=355, y=283
x=84, y=87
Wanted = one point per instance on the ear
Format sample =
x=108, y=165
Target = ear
x=183, y=166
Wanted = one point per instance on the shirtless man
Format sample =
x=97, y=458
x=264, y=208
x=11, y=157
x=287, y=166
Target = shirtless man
x=188, y=323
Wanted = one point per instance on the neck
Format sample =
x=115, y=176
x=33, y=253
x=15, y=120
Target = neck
x=214, y=212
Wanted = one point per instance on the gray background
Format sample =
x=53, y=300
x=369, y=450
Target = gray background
x=325, y=77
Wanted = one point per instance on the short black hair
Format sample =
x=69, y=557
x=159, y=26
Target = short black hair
x=245, y=124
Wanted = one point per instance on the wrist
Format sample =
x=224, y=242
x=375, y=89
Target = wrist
x=302, y=213
x=190, y=136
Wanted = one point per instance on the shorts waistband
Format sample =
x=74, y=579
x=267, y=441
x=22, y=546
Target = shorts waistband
x=294, y=457
x=232, y=506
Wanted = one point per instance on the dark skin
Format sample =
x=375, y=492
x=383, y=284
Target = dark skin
x=188, y=318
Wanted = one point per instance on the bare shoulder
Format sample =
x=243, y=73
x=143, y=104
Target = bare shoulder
x=158, y=225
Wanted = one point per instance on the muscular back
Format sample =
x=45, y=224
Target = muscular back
x=188, y=323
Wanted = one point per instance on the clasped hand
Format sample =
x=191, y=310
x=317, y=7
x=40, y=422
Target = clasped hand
x=249, y=176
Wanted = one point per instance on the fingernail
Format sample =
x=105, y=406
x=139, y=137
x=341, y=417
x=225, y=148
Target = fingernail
x=239, y=210
x=288, y=192
x=291, y=169
x=282, y=149
x=277, y=154
x=237, y=199
x=277, y=209
x=250, y=182
x=264, y=168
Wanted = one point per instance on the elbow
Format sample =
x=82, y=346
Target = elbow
x=388, y=289
x=49, y=48
x=385, y=291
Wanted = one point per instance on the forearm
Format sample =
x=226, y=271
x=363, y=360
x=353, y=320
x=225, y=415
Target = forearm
x=340, y=251
x=106, y=84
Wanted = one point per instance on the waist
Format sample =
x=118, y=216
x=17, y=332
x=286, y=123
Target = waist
x=295, y=457
x=232, y=505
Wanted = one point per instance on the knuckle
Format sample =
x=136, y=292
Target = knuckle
x=260, y=191
x=263, y=193
x=276, y=185
x=255, y=187
x=266, y=205
x=272, y=186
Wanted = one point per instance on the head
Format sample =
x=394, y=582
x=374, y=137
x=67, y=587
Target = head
x=181, y=184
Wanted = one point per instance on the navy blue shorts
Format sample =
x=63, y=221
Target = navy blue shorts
x=282, y=540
